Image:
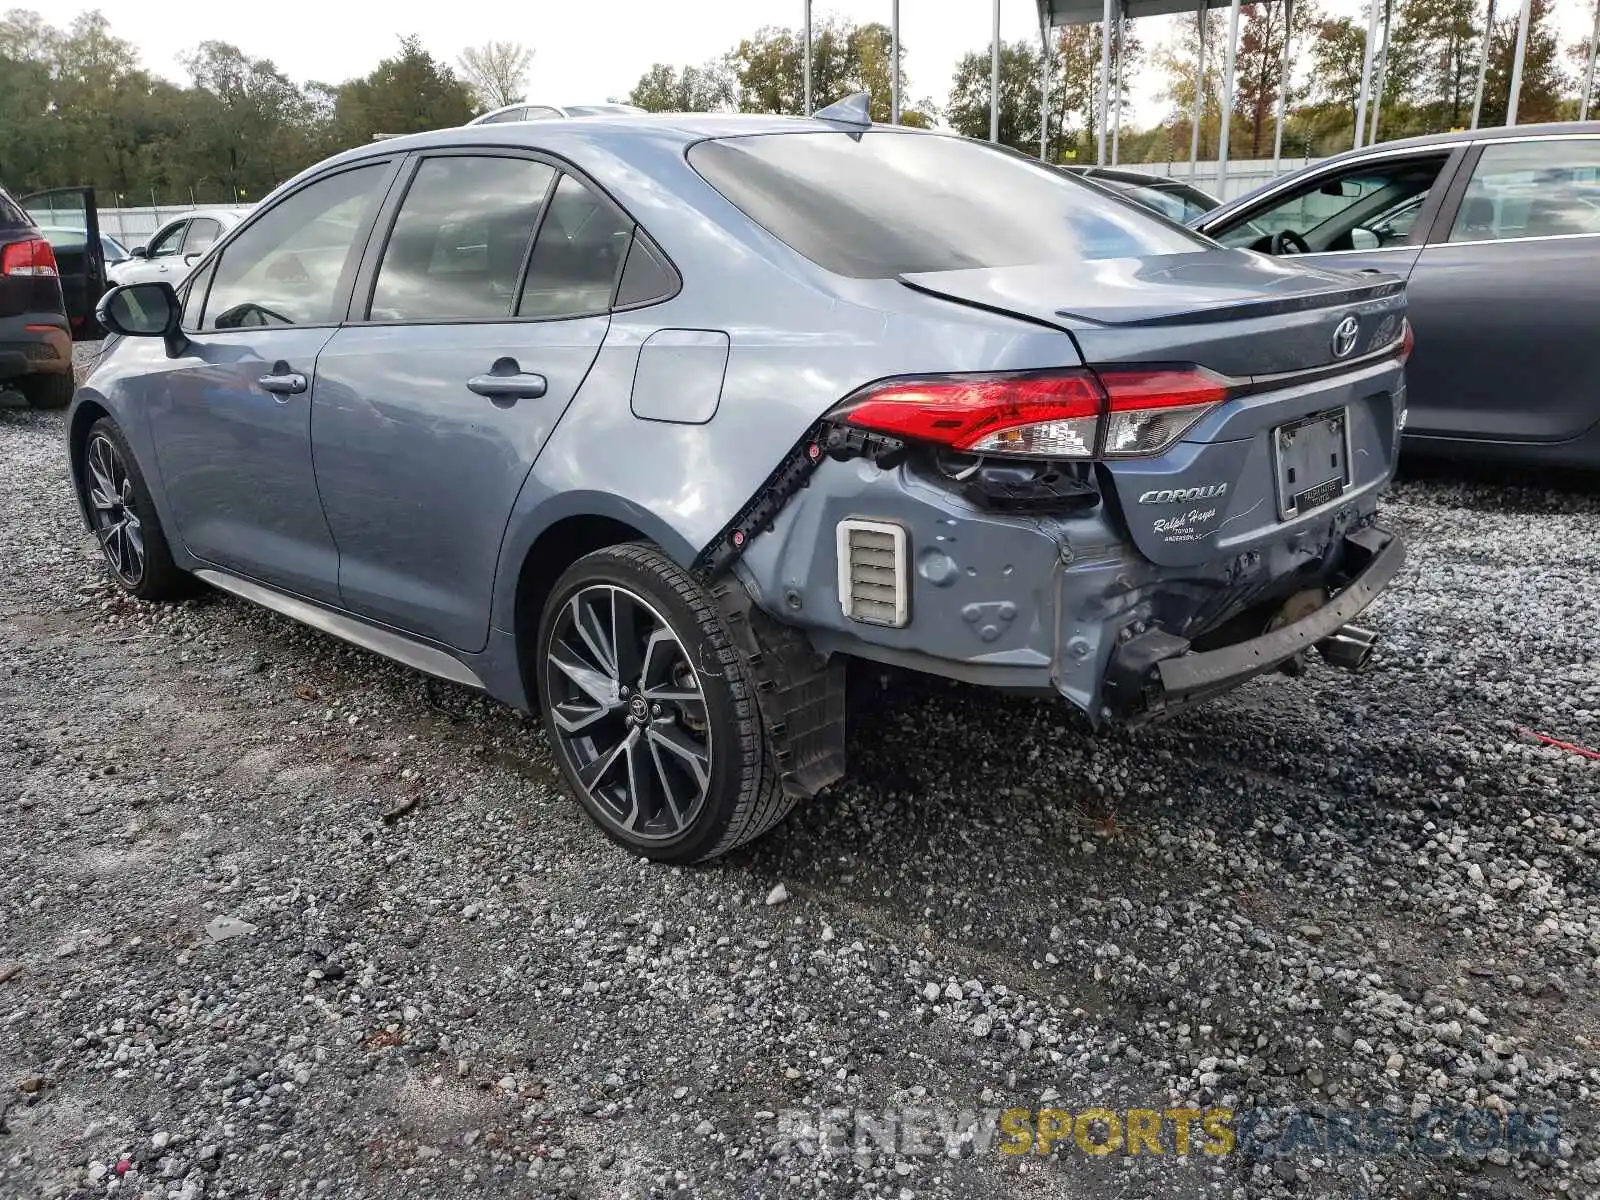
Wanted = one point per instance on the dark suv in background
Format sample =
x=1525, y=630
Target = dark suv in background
x=49, y=286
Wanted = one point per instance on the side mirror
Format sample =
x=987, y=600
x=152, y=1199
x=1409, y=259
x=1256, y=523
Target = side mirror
x=1342, y=188
x=139, y=252
x=144, y=310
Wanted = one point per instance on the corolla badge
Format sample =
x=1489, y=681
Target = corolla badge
x=1344, y=336
x=1206, y=491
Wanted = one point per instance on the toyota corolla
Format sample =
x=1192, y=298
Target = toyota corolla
x=652, y=424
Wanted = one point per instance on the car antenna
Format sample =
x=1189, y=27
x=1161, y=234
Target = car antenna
x=852, y=110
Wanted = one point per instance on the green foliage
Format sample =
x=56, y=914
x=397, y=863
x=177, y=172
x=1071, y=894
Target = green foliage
x=711, y=88
x=80, y=110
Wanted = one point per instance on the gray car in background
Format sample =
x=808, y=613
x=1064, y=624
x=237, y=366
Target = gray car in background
x=651, y=424
x=1497, y=233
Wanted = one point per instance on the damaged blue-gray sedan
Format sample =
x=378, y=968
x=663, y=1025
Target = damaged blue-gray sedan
x=651, y=424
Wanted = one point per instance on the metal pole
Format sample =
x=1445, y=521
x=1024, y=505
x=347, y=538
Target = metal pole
x=1366, y=72
x=894, y=62
x=1483, y=65
x=808, y=58
x=1516, y=62
x=1116, y=123
x=1200, y=95
x=1383, y=71
x=1105, y=85
x=1227, y=100
x=1044, y=92
x=1283, y=86
x=1588, y=79
x=994, y=78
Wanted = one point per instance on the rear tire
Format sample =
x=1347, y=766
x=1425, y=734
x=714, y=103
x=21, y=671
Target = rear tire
x=48, y=391
x=123, y=518
x=650, y=710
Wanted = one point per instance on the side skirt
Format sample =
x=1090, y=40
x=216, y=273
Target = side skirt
x=379, y=640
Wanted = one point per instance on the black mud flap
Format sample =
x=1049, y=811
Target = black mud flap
x=800, y=693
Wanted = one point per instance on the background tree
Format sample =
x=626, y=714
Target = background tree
x=408, y=93
x=1020, y=116
x=711, y=88
x=1542, y=77
x=496, y=72
x=845, y=58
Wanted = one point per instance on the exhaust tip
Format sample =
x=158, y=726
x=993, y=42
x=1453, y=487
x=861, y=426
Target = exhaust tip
x=1350, y=649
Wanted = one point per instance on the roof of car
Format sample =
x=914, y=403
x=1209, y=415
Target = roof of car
x=1491, y=133
x=612, y=130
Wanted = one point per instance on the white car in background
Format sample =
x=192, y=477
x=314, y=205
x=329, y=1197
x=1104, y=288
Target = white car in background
x=553, y=112
x=175, y=247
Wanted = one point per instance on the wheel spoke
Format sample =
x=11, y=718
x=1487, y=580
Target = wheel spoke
x=694, y=757
x=594, y=634
x=574, y=716
x=599, y=686
x=643, y=784
x=595, y=771
x=133, y=533
x=628, y=622
x=664, y=777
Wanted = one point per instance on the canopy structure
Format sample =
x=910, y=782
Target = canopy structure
x=1114, y=16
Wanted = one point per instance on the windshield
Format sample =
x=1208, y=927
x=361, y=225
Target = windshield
x=881, y=204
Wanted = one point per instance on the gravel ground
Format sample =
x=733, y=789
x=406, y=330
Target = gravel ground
x=279, y=919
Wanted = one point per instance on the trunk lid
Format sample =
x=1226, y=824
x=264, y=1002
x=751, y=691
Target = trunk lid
x=1312, y=429
x=1241, y=314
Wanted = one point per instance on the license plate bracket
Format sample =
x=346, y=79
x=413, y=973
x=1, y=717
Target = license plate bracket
x=1311, y=462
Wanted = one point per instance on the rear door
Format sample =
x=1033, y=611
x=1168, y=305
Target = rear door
x=1367, y=214
x=1506, y=297
x=81, y=263
x=462, y=353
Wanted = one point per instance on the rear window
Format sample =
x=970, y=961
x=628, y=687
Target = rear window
x=11, y=212
x=881, y=204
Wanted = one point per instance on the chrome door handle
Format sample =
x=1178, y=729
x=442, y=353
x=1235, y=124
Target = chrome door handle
x=288, y=383
x=507, y=382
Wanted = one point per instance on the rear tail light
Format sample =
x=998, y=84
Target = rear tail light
x=1072, y=414
x=33, y=257
x=1407, y=340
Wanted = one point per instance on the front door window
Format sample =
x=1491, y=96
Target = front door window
x=1369, y=206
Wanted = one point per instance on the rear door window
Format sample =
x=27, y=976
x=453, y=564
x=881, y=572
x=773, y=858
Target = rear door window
x=460, y=239
x=577, y=256
x=203, y=234
x=880, y=204
x=1545, y=187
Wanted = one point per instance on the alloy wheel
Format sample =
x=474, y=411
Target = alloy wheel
x=629, y=712
x=113, y=511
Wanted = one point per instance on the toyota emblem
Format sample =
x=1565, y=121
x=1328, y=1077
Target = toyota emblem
x=1344, y=336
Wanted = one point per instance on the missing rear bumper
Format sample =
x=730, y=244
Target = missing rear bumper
x=1155, y=674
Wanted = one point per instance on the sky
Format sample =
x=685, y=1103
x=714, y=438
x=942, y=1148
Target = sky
x=589, y=51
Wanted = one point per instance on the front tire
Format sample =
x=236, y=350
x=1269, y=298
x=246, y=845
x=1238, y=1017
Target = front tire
x=48, y=391
x=123, y=517
x=650, y=711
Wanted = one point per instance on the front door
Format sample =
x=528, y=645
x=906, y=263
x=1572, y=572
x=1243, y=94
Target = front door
x=1370, y=214
x=230, y=417
x=1506, y=299
x=429, y=412
x=70, y=221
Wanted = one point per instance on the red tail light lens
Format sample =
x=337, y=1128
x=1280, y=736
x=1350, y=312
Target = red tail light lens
x=33, y=257
x=1056, y=414
x=1407, y=341
x=1052, y=415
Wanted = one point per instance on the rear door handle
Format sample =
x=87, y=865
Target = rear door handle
x=282, y=381
x=507, y=382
